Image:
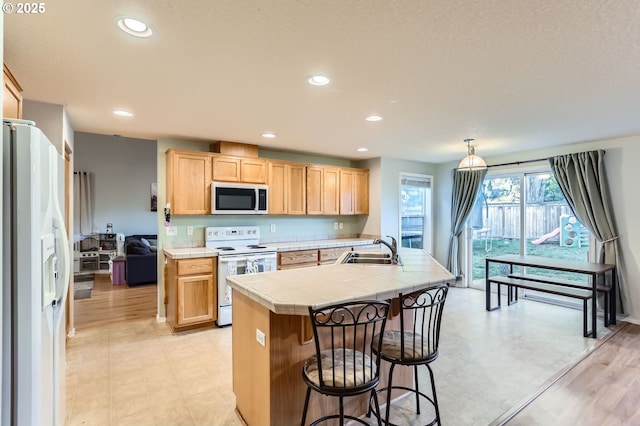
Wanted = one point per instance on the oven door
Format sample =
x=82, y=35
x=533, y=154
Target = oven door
x=238, y=265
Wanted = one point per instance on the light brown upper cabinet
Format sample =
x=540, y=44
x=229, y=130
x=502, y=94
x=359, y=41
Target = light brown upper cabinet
x=189, y=182
x=354, y=191
x=361, y=192
x=287, y=188
x=12, y=100
x=323, y=191
x=234, y=169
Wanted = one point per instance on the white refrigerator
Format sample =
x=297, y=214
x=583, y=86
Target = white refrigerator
x=35, y=273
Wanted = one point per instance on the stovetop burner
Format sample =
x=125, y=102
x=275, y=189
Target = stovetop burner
x=225, y=248
x=255, y=246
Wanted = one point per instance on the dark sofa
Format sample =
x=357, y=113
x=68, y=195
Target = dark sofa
x=141, y=266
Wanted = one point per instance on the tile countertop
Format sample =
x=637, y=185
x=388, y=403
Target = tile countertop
x=189, y=252
x=291, y=291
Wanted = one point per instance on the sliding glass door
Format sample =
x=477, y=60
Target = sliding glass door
x=523, y=213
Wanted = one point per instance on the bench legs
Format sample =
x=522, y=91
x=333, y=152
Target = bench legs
x=488, y=296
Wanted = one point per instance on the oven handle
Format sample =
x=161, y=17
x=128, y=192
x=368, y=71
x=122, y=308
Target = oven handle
x=227, y=259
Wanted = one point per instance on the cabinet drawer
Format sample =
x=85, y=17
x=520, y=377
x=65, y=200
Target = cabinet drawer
x=299, y=257
x=332, y=254
x=195, y=266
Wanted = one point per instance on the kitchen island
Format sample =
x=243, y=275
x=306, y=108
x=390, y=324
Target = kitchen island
x=272, y=332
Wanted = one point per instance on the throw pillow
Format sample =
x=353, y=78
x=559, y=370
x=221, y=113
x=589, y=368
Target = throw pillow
x=136, y=246
x=145, y=242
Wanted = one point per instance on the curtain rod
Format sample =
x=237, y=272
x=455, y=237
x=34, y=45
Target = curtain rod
x=517, y=163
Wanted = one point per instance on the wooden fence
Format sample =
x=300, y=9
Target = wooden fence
x=504, y=219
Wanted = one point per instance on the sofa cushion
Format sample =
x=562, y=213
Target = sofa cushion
x=135, y=246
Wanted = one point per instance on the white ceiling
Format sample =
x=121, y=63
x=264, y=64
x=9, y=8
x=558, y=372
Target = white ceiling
x=514, y=75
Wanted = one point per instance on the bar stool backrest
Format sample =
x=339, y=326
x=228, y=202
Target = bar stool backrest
x=421, y=336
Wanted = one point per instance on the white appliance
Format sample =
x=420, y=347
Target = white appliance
x=240, y=253
x=239, y=198
x=36, y=265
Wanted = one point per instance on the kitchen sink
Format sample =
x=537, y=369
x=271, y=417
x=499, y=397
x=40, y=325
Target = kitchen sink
x=369, y=258
x=375, y=261
x=356, y=254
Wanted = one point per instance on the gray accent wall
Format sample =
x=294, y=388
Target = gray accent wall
x=122, y=171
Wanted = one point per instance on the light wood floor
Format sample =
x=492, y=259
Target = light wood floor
x=111, y=305
x=603, y=389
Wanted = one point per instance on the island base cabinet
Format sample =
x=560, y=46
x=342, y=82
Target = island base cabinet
x=267, y=380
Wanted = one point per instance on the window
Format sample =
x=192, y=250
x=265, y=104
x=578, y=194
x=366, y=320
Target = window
x=415, y=211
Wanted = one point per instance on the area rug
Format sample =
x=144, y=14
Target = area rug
x=83, y=286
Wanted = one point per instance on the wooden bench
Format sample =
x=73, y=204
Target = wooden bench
x=512, y=296
x=596, y=272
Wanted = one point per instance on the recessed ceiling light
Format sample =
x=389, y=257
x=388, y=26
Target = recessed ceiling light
x=362, y=149
x=374, y=118
x=134, y=27
x=122, y=113
x=319, y=80
x=269, y=135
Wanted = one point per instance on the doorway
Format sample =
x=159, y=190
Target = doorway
x=416, y=229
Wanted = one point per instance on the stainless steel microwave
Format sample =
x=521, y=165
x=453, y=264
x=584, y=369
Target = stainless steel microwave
x=239, y=198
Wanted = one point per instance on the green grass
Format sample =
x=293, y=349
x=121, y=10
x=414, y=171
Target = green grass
x=499, y=247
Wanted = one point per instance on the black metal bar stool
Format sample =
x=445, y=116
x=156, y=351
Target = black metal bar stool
x=415, y=344
x=344, y=364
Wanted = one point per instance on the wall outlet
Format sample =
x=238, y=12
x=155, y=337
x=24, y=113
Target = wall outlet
x=273, y=227
x=260, y=338
x=189, y=230
x=341, y=225
x=335, y=226
x=171, y=231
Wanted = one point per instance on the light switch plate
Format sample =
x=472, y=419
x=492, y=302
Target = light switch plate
x=189, y=230
x=341, y=225
x=273, y=227
x=172, y=231
x=261, y=338
x=335, y=226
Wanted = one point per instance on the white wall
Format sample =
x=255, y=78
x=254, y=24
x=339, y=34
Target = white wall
x=122, y=170
x=50, y=118
x=622, y=175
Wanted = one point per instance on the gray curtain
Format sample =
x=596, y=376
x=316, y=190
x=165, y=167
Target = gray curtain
x=82, y=213
x=463, y=196
x=581, y=177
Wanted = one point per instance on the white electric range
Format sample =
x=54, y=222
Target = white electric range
x=240, y=253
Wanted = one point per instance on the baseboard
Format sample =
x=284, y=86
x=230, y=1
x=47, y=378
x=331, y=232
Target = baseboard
x=72, y=332
x=630, y=320
x=161, y=319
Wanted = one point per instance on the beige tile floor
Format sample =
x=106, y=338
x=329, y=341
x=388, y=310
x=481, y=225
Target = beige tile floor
x=140, y=374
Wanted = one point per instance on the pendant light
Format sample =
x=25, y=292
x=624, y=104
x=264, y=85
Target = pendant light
x=471, y=161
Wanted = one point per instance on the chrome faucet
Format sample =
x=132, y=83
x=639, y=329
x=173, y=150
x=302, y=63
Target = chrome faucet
x=393, y=247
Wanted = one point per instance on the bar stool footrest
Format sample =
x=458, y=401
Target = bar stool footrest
x=337, y=416
x=372, y=408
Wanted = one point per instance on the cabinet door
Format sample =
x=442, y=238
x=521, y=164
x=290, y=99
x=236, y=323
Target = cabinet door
x=253, y=171
x=12, y=100
x=331, y=191
x=361, y=192
x=297, y=259
x=277, y=188
x=296, y=189
x=226, y=169
x=315, y=195
x=189, y=182
x=346, y=191
x=195, y=299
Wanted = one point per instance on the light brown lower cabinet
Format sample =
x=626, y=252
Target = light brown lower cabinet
x=306, y=258
x=191, y=293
